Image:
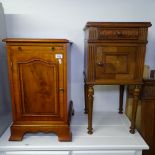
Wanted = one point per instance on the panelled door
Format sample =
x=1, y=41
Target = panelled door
x=37, y=78
x=115, y=63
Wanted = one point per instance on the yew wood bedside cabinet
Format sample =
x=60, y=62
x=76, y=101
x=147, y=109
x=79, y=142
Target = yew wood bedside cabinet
x=39, y=71
x=114, y=55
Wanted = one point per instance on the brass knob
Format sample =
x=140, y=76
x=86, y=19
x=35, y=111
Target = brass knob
x=100, y=64
x=118, y=33
x=53, y=48
x=61, y=89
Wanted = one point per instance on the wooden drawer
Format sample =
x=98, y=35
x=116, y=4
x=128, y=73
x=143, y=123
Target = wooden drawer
x=108, y=33
x=50, y=53
x=28, y=49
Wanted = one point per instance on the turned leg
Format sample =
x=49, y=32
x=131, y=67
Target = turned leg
x=121, y=92
x=136, y=94
x=90, y=108
x=86, y=98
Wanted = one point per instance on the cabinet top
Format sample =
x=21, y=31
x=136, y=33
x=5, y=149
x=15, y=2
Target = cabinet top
x=118, y=24
x=34, y=40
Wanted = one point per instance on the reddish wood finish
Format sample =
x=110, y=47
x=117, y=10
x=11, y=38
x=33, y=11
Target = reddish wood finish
x=114, y=54
x=40, y=84
x=148, y=115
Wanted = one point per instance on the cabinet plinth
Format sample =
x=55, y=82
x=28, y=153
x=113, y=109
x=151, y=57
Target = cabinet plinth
x=114, y=55
x=39, y=71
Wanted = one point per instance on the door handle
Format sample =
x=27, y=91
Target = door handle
x=61, y=89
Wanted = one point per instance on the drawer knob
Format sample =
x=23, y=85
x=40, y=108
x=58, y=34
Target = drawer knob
x=118, y=33
x=53, y=48
x=100, y=64
x=61, y=89
x=20, y=48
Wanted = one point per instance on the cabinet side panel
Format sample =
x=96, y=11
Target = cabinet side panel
x=68, y=72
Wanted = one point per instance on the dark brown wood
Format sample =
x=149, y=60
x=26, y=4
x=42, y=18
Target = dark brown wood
x=152, y=74
x=90, y=108
x=148, y=115
x=121, y=93
x=86, y=98
x=40, y=86
x=115, y=54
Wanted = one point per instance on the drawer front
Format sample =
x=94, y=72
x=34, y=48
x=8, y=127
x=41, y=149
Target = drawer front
x=38, y=153
x=118, y=33
x=115, y=62
x=29, y=49
x=104, y=153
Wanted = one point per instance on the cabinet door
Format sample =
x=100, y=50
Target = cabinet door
x=38, y=83
x=37, y=153
x=116, y=63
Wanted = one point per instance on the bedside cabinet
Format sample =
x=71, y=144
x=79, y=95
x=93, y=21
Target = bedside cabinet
x=148, y=115
x=39, y=71
x=114, y=55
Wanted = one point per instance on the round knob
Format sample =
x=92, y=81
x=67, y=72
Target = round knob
x=53, y=48
x=20, y=48
x=100, y=63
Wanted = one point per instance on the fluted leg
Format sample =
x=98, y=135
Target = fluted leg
x=90, y=108
x=136, y=94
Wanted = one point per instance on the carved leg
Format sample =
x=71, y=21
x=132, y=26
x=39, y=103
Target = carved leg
x=121, y=92
x=136, y=94
x=86, y=98
x=90, y=108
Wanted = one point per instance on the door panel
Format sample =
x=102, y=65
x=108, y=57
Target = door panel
x=41, y=77
x=37, y=79
x=116, y=62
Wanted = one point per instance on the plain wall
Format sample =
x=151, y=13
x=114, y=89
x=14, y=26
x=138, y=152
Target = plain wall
x=66, y=19
x=5, y=100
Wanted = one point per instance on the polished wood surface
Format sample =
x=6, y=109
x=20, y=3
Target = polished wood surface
x=148, y=115
x=114, y=54
x=121, y=94
x=39, y=82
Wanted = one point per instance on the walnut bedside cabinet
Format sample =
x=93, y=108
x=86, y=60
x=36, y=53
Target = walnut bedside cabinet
x=114, y=55
x=39, y=71
x=148, y=114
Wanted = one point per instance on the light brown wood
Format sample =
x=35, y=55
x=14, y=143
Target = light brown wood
x=114, y=54
x=40, y=86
